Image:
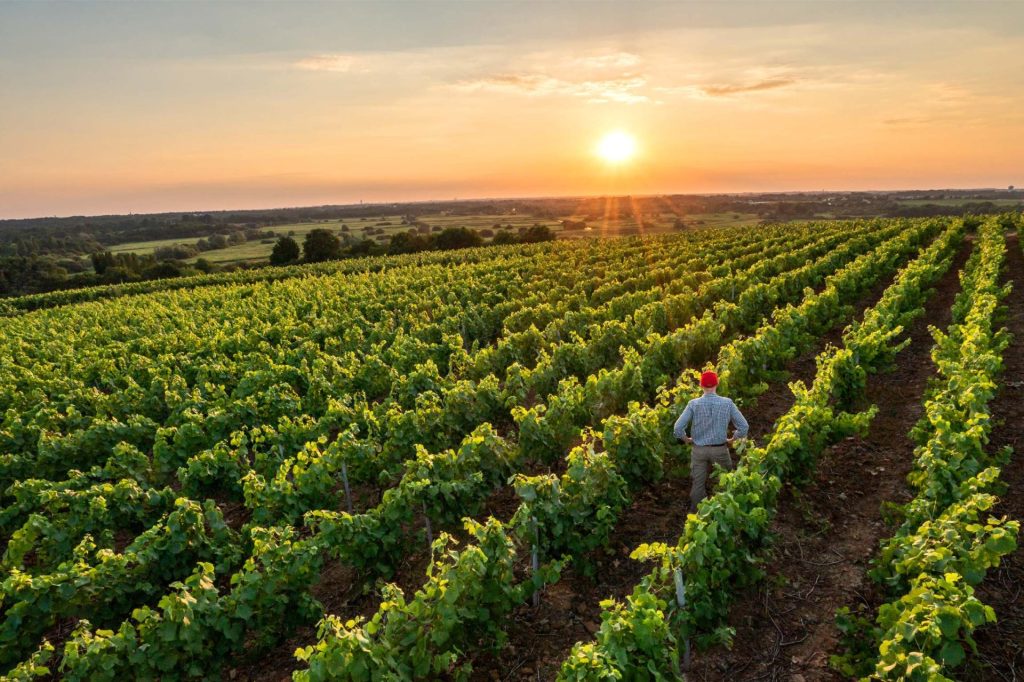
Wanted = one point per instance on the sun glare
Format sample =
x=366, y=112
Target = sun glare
x=616, y=147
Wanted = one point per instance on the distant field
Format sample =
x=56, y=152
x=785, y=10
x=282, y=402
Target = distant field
x=255, y=250
x=358, y=227
x=143, y=248
x=661, y=224
x=390, y=225
x=960, y=202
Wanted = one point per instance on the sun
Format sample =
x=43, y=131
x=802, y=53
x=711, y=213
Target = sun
x=616, y=147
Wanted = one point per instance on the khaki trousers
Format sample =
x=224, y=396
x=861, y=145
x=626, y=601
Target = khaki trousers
x=702, y=460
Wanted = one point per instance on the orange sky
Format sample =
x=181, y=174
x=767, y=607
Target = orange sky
x=115, y=108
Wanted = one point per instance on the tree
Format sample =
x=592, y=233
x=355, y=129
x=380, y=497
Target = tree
x=101, y=261
x=457, y=238
x=505, y=237
x=236, y=237
x=407, y=242
x=218, y=241
x=321, y=245
x=175, y=252
x=537, y=233
x=162, y=270
x=285, y=251
x=365, y=247
x=203, y=265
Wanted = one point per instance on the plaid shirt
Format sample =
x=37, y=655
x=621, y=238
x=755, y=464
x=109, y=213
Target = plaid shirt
x=710, y=416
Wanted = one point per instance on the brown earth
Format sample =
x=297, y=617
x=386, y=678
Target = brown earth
x=827, y=532
x=343, y=593
x=541, y=637
x=1001, y=645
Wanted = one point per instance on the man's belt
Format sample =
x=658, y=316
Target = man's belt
x=713, y=445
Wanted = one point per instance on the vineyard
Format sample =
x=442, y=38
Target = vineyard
x=461, y=465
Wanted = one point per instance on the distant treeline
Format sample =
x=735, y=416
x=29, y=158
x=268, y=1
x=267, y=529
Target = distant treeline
x=44, y=254
x=323, y=245
x=81, y=235
x=20, y=275
x=87, y=239
x=27, y=271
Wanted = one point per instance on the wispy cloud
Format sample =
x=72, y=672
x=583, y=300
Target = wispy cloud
x=908, y=120
x=598, y=77
x=612, y=60
x=337, y=63
x=727, y=89
x=625, y=90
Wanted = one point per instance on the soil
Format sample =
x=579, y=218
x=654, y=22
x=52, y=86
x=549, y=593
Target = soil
x=827, y=532
x=540, y=638
x=1001, y=645
x=343, y=594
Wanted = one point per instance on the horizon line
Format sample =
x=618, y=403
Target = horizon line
x=1008, y=188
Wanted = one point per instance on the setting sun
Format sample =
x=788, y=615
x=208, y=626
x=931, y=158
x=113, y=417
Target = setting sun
x=616, y=147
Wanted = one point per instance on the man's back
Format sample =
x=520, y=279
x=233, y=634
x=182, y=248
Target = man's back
x=710, y=416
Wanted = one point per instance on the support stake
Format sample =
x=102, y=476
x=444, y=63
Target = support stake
x=535, y=561
x=677, y=575
x=348, y=493
x=430, y=533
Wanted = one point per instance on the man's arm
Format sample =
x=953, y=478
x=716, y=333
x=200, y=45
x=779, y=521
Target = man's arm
x=682, y=423
x=739, y=422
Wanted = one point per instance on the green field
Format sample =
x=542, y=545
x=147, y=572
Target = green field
x=256, y=250
x=385, y=227
x=143, y=248
x=221, y=464
x=358, y=227
x=1012, y=203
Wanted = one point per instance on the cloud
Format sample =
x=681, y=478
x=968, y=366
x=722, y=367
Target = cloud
x=907, y=120
x=337, y=63
x=725, y=90
x=614, y=60
x=600, y=76
x=623, y=90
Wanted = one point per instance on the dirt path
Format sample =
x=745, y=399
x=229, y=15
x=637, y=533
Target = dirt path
x=540, y=638
x=827, y=532
x=1001, y=645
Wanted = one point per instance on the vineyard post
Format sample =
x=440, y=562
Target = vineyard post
x=677, y=575
x=348, y=492
x=430, y=534
x=535, y=561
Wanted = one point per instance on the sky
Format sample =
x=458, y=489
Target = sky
x=146, y=107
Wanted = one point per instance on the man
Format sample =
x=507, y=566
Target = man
x=710, y=416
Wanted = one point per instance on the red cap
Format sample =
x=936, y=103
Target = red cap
x=708, y=380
